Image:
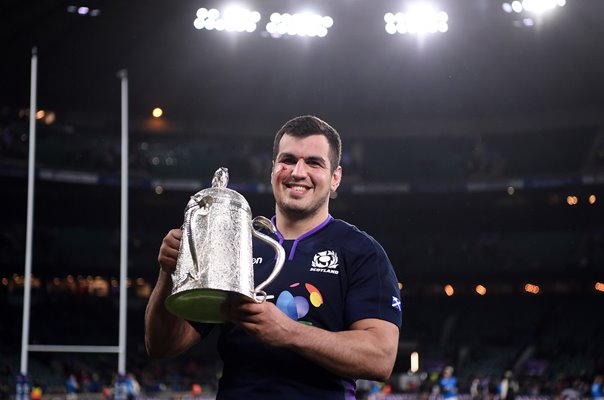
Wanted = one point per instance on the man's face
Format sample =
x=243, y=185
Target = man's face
x=301, y=177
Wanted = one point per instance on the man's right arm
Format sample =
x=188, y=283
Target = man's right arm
x=166, y=335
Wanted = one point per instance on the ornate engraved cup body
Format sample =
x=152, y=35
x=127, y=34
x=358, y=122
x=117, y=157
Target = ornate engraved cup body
x=215, y=255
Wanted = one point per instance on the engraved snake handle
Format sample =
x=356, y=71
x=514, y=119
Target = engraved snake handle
x=203, y=206
x=259, y=295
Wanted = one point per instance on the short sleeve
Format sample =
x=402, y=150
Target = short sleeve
x=373, y=290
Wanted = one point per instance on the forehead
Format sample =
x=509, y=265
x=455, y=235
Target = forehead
x=309, y=146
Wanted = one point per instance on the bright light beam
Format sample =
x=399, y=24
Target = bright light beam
x=419, y=19
x=303, y=24
x=532, y=6
x=232, y=19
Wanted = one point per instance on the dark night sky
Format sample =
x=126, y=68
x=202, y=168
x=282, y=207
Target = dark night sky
x=358, y=76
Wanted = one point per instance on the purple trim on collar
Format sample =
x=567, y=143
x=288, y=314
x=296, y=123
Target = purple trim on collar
x=305, y=235
x=279, y=235
x=350, y=388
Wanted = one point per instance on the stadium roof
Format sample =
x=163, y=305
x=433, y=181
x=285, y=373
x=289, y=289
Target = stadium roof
x=488, y=64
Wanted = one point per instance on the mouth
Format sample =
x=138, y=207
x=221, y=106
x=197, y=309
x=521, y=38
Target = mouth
x=297, y=188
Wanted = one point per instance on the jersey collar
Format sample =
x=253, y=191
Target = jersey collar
x=303, y=236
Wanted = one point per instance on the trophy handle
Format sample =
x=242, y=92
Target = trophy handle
x=259, y=295
x=203, y=207
x=189, y=236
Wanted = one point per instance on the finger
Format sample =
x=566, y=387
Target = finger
x=249, y=327
x=173, y=239
x=230, y=306
x=167, y=264
x=168, y=251
x=176, y=234
x=249, y=311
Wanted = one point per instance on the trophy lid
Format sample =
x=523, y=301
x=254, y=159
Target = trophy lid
x=221, y=178
x=219, y=193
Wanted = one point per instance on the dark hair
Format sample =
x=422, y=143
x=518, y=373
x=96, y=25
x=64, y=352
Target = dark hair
x=308, y=125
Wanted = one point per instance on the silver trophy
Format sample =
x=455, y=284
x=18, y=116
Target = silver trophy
x=215, y=255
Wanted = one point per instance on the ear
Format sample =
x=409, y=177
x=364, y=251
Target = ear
x=336, y=178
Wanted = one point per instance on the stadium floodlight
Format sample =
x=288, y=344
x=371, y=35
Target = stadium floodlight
x=528, y=22
x=83, y=10
x=530, y=12
x=419, y=19
x=530, y=288
x=532, y=6
x=303, y=24
x=232, y=19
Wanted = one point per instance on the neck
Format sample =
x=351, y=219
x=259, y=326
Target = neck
x=292, y=228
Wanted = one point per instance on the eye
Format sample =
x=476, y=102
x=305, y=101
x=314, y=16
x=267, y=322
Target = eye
x=287, y=160
x=315, y=162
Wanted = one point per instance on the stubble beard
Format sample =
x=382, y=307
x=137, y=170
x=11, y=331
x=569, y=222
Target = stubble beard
x=301, y=213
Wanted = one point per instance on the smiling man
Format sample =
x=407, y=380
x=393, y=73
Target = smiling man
x=305, y=171
x=337, y=309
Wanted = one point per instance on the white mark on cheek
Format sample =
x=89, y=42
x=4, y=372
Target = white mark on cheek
x=279, y=170
x=275, y=172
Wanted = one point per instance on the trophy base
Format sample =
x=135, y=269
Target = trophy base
x=199, y=305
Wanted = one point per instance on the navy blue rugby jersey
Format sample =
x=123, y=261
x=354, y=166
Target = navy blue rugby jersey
x=333, y=276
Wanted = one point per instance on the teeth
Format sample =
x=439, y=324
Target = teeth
x=298, y=188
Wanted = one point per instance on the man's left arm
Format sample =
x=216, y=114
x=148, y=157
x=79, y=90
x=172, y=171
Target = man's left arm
x=366, y=350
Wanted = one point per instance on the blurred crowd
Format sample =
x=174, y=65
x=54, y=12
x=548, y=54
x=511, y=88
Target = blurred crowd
x=185, y=378
x=385, y=159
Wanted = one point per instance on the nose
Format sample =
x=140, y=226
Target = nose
x=299, y=170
